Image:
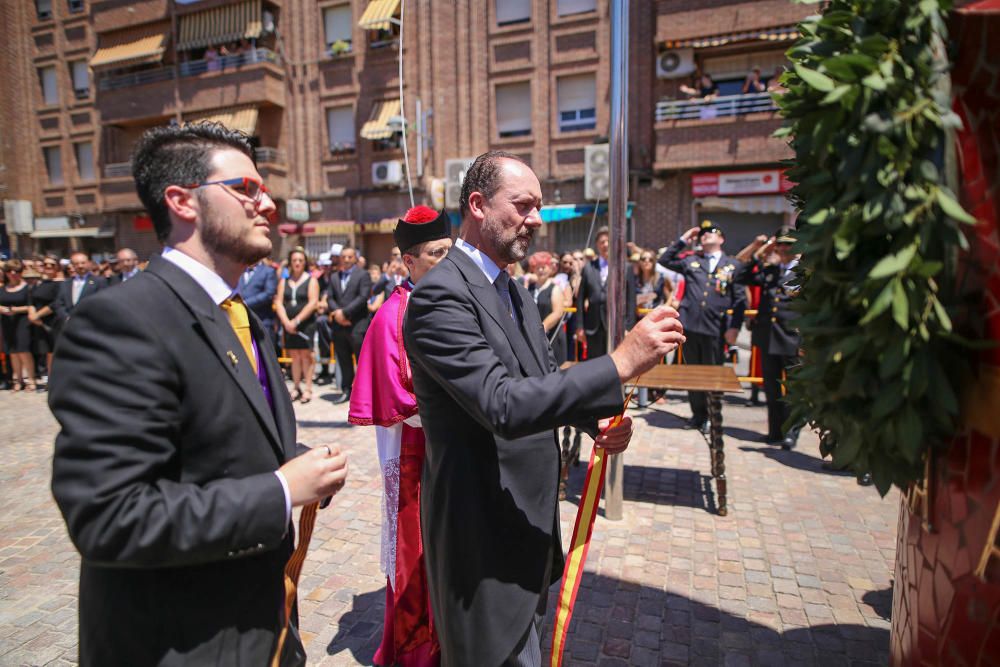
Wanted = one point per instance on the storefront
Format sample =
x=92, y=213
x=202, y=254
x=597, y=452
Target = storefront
x=744, y=204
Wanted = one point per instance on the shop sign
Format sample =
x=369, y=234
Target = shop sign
x=297, y=210
x=758, y=182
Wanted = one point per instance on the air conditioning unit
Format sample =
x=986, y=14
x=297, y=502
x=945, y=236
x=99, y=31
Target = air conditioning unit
x=389, y=172
x=597, y=174
x=454, y=174
x=675, y=64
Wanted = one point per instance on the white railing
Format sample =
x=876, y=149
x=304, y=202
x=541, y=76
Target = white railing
x=266, y=154
x=726, y=105
x=117, y=169
x=228, y=63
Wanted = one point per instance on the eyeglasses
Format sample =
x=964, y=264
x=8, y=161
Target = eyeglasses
x=245, y=186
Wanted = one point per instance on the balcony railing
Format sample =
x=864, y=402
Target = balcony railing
x=726, y=105
x=229, y=63
x=269, y=155
x=117, y=169
x=190, y=68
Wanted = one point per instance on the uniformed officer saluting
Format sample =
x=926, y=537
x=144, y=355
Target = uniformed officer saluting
x=774, y=332
x=709, y=295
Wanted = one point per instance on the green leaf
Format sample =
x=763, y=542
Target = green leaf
x=900, y=306
x=880, y=304
x=835, y=95
x=941, y=313
x=874, y=81
x=911, y=433
x=893, y=264
x=817, y=80
x=952, y=208
x=845, y=453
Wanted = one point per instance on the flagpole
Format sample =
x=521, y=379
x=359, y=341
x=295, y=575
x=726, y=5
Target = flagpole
x=617, y=205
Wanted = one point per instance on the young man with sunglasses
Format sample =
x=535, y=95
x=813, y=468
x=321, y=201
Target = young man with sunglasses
x=177, y=468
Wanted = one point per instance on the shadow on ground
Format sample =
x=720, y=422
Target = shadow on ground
x=621, y=623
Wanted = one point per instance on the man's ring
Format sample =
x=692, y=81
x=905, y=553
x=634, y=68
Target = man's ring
x=329, y=452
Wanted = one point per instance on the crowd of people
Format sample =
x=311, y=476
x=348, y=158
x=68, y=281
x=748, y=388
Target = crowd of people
x=177, y=465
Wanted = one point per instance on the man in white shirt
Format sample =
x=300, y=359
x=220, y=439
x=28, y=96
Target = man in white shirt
x=177, y=466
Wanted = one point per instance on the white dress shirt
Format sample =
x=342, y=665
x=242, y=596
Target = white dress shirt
x=218, y=290
x=485, y=264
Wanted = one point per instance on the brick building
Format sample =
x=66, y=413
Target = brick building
x=316, y=84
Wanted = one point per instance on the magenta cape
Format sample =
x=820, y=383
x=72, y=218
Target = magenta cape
x=383, y=387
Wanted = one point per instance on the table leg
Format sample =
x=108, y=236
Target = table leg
x=717, y=450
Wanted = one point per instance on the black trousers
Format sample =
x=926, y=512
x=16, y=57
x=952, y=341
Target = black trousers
x=704, y=350
x=324, y=337
x=347, y=346
x=773, y=366
x=597, y=345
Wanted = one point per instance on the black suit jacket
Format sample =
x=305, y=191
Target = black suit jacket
x=164, y=473
x=490, y=398
x=353, y=299
x=595, y=296
x=774, y=329
x=707, y=296
x=63, y=306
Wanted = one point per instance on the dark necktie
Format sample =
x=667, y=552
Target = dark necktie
x=502, y=285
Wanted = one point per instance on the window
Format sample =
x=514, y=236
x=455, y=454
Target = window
x=43, y=8
x=513, y=103
x=75, y=6
x=340, y=129
x=337, y=26
x=513, y=11
x=81, y=78
x=50, y=86
x=84, y=160
x=53, y=164
x=567, y=7
x=577, y=102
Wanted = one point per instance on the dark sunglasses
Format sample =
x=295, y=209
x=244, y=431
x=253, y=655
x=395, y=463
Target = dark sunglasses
x=244, y=185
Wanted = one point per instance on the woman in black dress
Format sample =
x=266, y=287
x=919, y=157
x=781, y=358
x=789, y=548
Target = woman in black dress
x=551, y=301
x=295, y=304
x=16, y=329
x=41, y=315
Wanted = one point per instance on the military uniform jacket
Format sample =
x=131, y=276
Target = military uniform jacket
x=773, y=329
x=707, y=296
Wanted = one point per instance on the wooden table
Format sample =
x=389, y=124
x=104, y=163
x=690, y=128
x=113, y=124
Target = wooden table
x=715, y=380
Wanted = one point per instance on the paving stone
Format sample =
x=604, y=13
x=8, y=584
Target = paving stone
x=669, y=584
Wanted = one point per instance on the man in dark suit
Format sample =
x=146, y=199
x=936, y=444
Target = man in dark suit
x=176, y=467
x=82, y=285
x=126, y=265
x=347, y=302
x=709, y=296
x=774, y=331
x=490, y=397
x=592, y=299
x=258, y=285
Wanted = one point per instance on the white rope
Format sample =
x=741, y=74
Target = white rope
x=402, y=106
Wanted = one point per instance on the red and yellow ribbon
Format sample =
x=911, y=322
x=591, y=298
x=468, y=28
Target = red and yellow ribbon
x=580, y=545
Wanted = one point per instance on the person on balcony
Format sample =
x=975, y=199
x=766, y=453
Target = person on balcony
x=212, y=63
x=704, y=87
x=753, y=84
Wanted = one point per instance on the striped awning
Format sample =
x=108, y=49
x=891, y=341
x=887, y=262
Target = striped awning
x=377, y=125
x=228, y=23
x=242, y=118
x=135, y=46
x=379, y=15
x=782, y=34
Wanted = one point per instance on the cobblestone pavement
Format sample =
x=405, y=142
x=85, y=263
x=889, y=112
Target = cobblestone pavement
x=797, y=574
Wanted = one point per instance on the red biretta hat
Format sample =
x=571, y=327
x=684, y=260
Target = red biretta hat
x=419, y=225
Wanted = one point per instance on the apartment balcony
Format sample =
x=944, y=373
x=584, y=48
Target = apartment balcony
x=117, y=188
x=273, y=167
x=729, y=130
x=252, y=78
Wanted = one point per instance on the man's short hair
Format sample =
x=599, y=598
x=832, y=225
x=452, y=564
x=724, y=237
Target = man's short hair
x=484, y=177
x=604, y=230
x=178, y=155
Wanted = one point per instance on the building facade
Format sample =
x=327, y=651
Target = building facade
x=316, y=83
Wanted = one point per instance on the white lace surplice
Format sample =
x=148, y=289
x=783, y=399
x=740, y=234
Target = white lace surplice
x=388, y=440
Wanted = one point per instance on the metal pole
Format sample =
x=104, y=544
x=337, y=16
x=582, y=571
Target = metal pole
x=420, y=139
x=617, y=205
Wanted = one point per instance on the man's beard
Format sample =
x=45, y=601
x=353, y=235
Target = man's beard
x=227, y=241
x=508, y=250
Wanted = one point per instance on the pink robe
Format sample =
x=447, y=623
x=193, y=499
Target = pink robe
x=383, y=397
